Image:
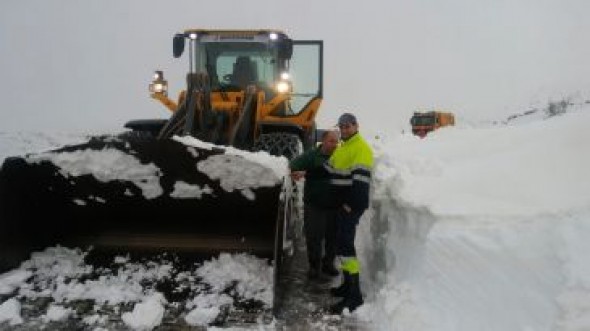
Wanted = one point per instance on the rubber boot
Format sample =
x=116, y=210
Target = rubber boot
x=341, y=290
x=353, y=298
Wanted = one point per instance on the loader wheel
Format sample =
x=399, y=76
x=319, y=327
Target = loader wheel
x=279, y=144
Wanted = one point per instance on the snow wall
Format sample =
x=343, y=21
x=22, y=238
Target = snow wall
x=480, y=229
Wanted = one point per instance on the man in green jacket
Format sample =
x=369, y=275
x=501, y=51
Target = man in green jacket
x=320, y=206
x=349, y=168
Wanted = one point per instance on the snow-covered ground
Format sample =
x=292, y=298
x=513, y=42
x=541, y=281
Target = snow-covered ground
x=471, y=228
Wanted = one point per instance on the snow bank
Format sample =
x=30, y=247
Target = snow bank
x=509, y=170
x=480, y=229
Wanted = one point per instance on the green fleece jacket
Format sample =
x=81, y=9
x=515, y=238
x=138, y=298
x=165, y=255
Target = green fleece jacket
x=317, y=184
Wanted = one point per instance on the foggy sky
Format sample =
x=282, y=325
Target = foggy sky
x=69, y=65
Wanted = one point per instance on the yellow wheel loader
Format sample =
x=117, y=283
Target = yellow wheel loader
x=180, y=184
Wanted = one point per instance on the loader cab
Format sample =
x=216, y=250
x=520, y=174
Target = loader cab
x=235, y=60
x=268, y=60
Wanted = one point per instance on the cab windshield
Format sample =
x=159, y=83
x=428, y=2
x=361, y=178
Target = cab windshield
x=423, y=120
x=234, y=65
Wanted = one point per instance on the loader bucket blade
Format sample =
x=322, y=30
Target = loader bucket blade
x=133, y=192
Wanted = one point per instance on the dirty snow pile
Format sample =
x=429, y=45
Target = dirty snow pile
x=106, y=165
x=278, y=165
x=58, y=286
x=480, y=229
x=236, y=170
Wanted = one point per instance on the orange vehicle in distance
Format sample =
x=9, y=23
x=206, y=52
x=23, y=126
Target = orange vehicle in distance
x=424, y=122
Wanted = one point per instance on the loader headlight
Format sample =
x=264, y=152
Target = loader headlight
x=159, y=84
x=273, y=36
x=283, y=86
x=159, y=88
x=285, y=76
x=193, y=36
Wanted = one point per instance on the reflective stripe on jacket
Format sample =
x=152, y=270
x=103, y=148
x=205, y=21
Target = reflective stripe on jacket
x=350, y=169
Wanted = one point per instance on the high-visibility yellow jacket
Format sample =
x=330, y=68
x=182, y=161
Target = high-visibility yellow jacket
x=350, y=169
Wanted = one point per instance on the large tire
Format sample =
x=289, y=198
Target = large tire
x=284, y=144
x=290, y=146
x=290, y=220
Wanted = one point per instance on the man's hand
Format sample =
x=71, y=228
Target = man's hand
x=297, y=175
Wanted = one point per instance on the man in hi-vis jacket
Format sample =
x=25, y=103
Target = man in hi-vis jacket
x=350, y=169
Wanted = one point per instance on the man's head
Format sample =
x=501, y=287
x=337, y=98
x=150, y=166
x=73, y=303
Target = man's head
x=348, y=125
x=329, y=141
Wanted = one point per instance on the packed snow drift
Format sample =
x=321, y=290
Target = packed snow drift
x=481, y=228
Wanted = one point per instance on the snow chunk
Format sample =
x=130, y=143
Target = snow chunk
x=58, y=263
x=278, y=164
x=237, y=173
x=95, y=319
x=11, y=280
x=79, y=202
x=106, y=165
x=184, y=190
x=122, y=287
x=202, y=316
x=249, y=194
x=121, y=259
x=57, y=313
x=253, y=276
x=10, y=312
x=112, y=290
x=207, y=307
x=146, y=315
x=193, y=151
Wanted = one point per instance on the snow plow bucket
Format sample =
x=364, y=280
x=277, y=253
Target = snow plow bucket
x=134, y=192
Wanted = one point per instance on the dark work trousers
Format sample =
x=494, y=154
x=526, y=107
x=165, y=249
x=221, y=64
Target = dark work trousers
x=346, y=231
x=320, y=227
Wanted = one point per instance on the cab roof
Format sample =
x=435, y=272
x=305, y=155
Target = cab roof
x=235, y=33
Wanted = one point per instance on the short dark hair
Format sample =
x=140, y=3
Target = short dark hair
x=325, y=133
